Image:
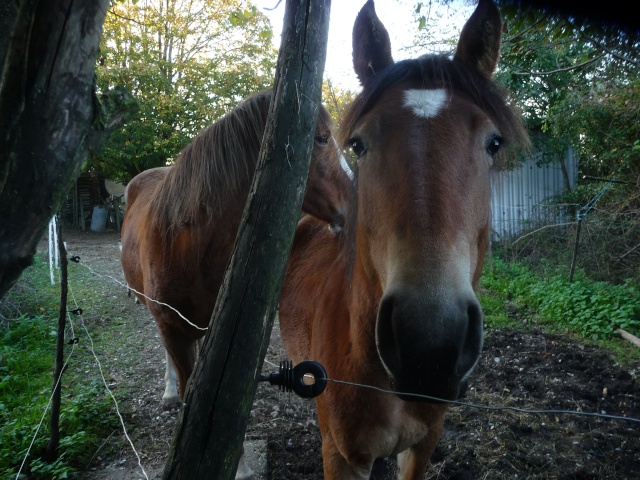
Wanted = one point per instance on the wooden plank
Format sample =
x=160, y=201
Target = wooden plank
x=630, y=337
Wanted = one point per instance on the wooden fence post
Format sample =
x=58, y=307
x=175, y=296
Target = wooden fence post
x=51, y=452
x=210, y=430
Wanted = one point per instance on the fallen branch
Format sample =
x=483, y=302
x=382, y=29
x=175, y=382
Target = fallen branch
x=628, y=336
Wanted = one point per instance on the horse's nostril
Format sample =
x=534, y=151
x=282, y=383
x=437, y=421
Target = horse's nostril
x=386, y=335
x=473, y=340
x=428, y=346
x=386, y=308
x=474, y=311
x=474, y=315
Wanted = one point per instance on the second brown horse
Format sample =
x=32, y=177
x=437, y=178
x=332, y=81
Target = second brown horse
x=181, y=222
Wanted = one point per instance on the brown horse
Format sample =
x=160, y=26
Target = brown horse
x=181, y=222
x=390, y=302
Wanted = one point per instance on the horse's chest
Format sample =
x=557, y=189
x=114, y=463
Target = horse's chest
x=390, y=430
x=407, y=427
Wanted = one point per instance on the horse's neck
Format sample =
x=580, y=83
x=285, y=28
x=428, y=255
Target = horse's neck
x=363, y=310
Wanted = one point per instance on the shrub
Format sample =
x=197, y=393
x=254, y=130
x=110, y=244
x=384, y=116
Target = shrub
x=593, y=309
x=27, y=349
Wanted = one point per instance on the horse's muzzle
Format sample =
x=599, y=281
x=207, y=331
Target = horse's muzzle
x=428, y=348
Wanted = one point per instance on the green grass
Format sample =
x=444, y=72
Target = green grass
x=592, y=310
x=27, y=351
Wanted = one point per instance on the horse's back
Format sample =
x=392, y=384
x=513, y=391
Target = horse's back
x=144, y=181
x=137, y=228
x=183, y=268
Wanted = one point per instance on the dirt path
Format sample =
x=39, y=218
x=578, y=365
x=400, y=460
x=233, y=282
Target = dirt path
x=524, y=368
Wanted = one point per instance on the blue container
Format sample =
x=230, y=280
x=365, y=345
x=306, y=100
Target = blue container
x=98, y=218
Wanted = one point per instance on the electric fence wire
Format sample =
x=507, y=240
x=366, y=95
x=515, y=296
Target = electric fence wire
x=106, y=385
x=143, y=295
x=424, y=397
x=104, y=381
x=44, y=413
x=489, y=407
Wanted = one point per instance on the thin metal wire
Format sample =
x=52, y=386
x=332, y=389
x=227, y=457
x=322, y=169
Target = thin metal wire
x=487, y=407
x=44, y=413
x=204, y=329
x=414, y=395
x=106, y=386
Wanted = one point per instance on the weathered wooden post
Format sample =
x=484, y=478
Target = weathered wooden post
x=210, y=430
x=54, y=424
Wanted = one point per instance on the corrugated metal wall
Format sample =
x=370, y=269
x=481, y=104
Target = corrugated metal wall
x=518, y=196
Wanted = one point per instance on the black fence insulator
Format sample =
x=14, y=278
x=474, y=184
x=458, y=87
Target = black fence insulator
x=308, y=379
x=73, y=341
x=75, y=259
x=77, y=311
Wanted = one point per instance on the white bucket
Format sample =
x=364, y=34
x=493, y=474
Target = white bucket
x=98, y=218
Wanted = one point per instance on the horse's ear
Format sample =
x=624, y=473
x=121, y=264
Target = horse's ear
x=479, y=44
x=371, y=44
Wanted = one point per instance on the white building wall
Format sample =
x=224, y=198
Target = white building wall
x=518, y=196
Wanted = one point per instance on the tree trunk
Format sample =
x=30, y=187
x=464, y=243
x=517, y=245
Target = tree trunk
x=209, y=434
x=47, y=111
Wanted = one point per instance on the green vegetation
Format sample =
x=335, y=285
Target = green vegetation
x=592, y=309
x=27, y=350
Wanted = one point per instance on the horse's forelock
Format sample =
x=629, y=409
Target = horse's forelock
x=438, y=71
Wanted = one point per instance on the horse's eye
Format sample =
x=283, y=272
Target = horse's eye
x=322, y=140
x=357, y=147
x=494, y=145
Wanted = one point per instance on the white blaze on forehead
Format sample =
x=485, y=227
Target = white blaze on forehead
x=425, y=103
x=343, y=161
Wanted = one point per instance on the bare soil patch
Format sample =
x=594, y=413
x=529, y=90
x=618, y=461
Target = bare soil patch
x=524, y=368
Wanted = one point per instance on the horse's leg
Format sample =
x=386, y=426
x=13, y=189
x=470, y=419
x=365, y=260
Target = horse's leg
x=171, y=380
x=413, y=462
x=243, y=472
x=199, y=344
x=170, y=397
x=183, y=355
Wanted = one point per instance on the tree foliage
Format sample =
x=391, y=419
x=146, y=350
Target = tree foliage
x=574, y=78
x=186, y=63
x=577, y=80
x=336, y=99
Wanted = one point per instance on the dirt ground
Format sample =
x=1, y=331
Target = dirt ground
x=524, y=368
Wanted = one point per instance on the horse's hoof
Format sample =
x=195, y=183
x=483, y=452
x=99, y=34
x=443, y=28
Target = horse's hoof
x=169, y=403
x=241, y=476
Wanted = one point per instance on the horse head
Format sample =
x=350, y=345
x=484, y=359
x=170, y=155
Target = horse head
x=426, y=133
x=329, y=184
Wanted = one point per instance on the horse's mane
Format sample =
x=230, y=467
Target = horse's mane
x=439, y=71
x=212, y=168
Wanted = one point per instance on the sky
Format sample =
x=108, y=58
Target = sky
x=396, y=15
